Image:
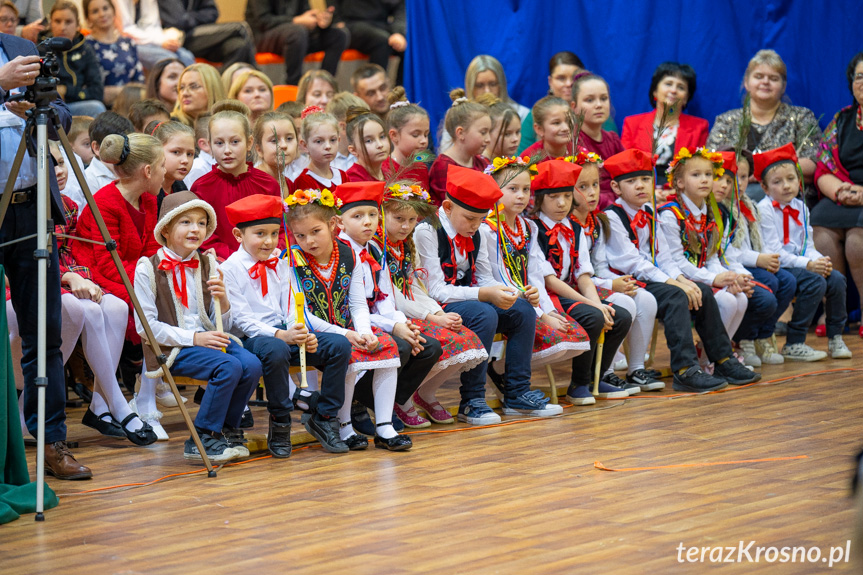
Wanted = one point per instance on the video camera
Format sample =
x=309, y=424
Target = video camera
x=44, y=90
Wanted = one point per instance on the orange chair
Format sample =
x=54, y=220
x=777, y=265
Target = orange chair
x=347, y=56
x=283, y=93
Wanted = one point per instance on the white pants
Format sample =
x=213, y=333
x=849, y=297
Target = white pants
x=642, y=308
x=732, y=308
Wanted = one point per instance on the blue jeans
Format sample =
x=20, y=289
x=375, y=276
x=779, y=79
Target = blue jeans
x=518, y=323
x=811, y=289
x=764, y=308
x=231, y=378
x=90, y=108
x=149, y=54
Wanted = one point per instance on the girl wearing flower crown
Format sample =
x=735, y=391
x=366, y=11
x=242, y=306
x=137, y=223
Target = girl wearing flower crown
x=335, y=292
x=405, y=203
x=621, y=290
x=691, y=222
x=517, y=260
x=320, y=138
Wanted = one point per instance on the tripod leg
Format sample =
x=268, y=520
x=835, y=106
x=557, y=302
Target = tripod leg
x=111, y=245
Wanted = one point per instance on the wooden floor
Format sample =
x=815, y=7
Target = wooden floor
x=524, y=498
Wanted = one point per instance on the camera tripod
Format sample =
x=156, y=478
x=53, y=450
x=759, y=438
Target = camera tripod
x=38, y=119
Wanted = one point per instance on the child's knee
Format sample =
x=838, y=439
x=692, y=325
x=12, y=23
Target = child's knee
x=812, y=285
x=622, y=318
x=836, y=283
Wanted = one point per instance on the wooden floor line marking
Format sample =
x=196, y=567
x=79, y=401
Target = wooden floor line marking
x=601, y=467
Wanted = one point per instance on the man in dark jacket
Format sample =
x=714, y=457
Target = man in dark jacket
x=378, y=28
x=226, y=43
x=290, y=28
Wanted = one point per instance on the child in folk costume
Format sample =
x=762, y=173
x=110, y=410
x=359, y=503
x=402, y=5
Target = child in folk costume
x=359, y=220
x=621, y=290
x=563, y=245
x=635, y=248
x=404, y=204
x=320, y=138
x=335, y=291
x=517, y=260
x=461, y=280
x=785, y=230
x=688, y=221
x=773, y=286
x=178, y=291
x=262, y=289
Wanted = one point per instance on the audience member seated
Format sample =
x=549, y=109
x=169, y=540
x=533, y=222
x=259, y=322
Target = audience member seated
x=226, y=43
x=200, y=87
x=370, y=82
x=255, y=90
x=8, y=17
x=232, y=72
x=163, y=79
x=140, y=20
x=31, y=17
x=378, y=28
x=117, y=54
x=316, y=88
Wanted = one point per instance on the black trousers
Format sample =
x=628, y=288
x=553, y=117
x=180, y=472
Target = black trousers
x=413, y=371
x=294, y=42
x=592, y=320
x=21, y=269
x=373, y=40
x=672, y=307
x=226, y=43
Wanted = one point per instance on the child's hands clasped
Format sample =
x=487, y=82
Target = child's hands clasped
x=82, y=288
x=531, y=294
x=769, y=262
x=411, y=334
x=556, y=322
x=448, y=320
x=821, y=266
x=625, y=285
x=366, y=342
x=500, y=296
x=725, y=279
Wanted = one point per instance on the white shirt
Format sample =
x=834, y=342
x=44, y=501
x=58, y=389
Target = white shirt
x=793, y=254
x=147, y=28
x=295, y=168
x=603, y=277
x=425, y=238
x=536, y=272
x=98, y=175
x=336, y=180
x=670, y=226
x=256, y=314
x=343, y=162
x=201, y=165
x=623, y=256
x=743, y=254
x=73, y=188
x=383, y=314
x=183, y=334
x=582, y=265
x=422, y=305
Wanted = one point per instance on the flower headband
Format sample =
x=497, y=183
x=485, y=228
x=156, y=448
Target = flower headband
x=684, y=154
x=399, y=104
x=308, y=110
x=501, y=163
x=304, y=197
x=583, y=158
x=412, y=193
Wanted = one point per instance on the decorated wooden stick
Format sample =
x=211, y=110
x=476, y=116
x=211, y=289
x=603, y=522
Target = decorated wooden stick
x=301, y=304
x=219, y=327
x=600, y=343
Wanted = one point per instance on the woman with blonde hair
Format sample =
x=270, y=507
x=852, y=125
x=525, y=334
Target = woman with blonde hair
x=255, y=90
x=200, y=87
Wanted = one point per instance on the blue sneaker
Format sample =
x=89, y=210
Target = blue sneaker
x=580, y=395
x=532, y=403
x=477, y=412
x=608, y=391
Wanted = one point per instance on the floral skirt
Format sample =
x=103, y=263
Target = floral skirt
x=549, y=342
x=386, y=355
x=461, y=347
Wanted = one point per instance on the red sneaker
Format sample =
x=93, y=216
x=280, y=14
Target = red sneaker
x=821, y=331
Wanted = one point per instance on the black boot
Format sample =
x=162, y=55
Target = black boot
x=279, y=438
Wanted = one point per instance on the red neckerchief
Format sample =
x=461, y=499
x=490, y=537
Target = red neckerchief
x=168, y=264
x=747, y=213
x=367, y=258
x=464, y=244
x=259, y=271
x=788, y=213
x=558, y=230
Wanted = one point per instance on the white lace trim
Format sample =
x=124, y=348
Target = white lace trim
x=580, y=346
x=380, y=364
x=468, y=359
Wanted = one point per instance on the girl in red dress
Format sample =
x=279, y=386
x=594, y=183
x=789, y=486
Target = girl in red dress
x=320, y=137
x=469, y=125
x=232, y=178
x=408, y=127
x=369, y=142
x=274, y=136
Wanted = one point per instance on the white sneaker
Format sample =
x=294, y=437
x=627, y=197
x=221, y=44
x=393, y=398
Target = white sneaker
x=151, y=418
x=621, y=365
x=165, y=397
x=750, y=356
x=767, y=351
x=802, y=352
x=838, y=349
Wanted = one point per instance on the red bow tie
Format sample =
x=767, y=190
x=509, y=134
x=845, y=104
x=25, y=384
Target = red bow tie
x=259, y=271
x=747, y=213
x=169, y=264
x=557, y=231
x=641, y=219
x=463, y=244
x=367, y=258
x=788, y=213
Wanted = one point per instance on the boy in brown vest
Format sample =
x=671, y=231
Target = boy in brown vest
x=178, y=296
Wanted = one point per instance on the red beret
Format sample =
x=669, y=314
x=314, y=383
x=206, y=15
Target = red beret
x=254, y=210
x=629, y=164
x=356, y=194
x=471, y=189
x=762, y=161
x=554, y=175
x=729, y=162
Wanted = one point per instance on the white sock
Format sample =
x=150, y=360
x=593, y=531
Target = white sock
x=642, y=329
x=345, y=411
x=384, y=389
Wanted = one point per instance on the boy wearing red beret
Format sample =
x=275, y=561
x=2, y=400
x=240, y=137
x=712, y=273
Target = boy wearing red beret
x=463, y=282
x=635, y=249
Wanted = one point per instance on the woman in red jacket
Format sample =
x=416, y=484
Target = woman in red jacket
x=672, y=86
x=128, y=207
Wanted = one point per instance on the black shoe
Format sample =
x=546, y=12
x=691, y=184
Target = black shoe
x=361, y=420
x=397, y=443
x=247, y=421
x=654, y=373
x=308, y=398
x=357, y=442
x=199, y=395
x=645, y=380
x=497, y=379
x=624, y=384
x=279, y=439
x=735, y=372
x=236, y=440
x=109, y=428
x=325, y=430
x=143, y=436
x=398, y=424
x=696, y=381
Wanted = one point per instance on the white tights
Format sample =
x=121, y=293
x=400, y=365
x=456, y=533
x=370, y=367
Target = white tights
x=732, y=308
x=384, y=390
x=642, y=308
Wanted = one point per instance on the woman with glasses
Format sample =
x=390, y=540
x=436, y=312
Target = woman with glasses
x=200, y=87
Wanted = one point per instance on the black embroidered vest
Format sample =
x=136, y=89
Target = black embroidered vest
x=446, y=253
x=554, y=254
x=329, y=300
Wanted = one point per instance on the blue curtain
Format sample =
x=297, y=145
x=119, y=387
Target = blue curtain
x=624, y=41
